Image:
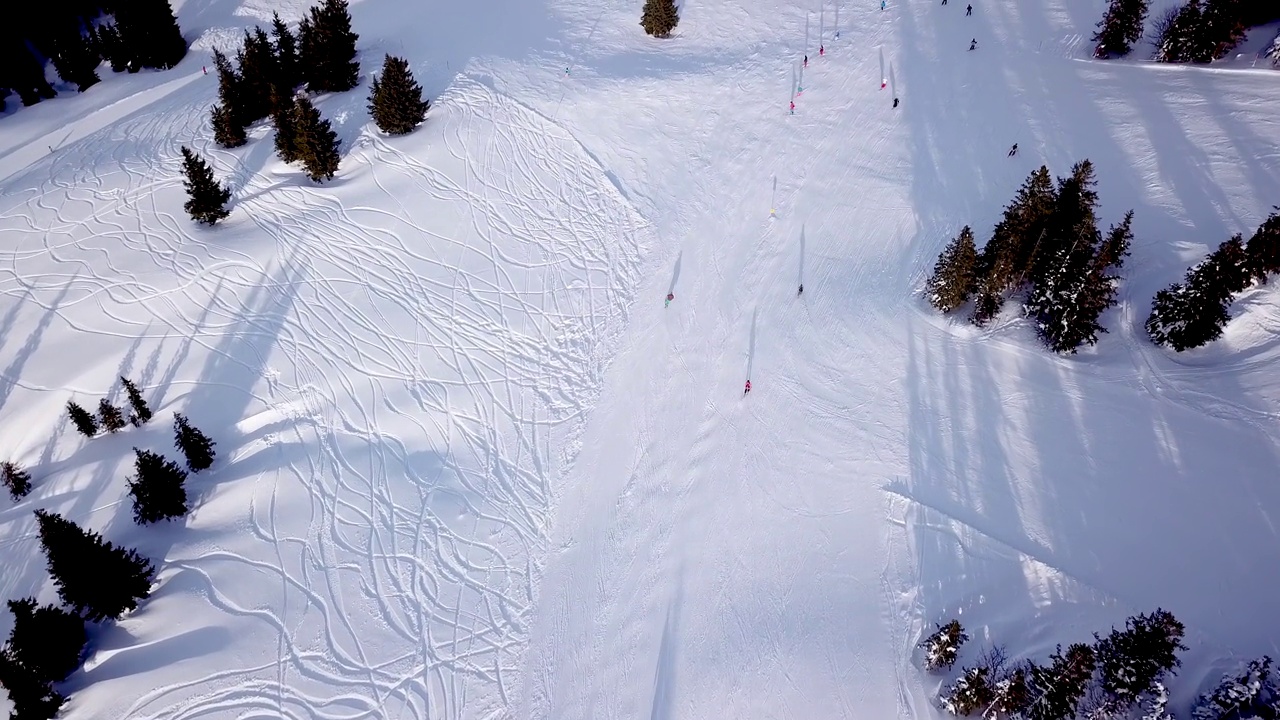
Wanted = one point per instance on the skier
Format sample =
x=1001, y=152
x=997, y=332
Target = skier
x=793, y=112
x=944, y=2
x=973, y=45
x=882, y=5
x=748, y=388
x=837, y=34
x=670, y=297
x=969, y=10
x=806, y=61
x=204, y=69
x=1013, y=150
x=895, y=102
x=801, y=290
x=822, y=51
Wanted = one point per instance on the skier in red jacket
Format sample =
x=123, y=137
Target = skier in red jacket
x=748, y=388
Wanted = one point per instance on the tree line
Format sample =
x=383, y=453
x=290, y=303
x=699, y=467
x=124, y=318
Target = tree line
x=1116, y=676
x=1047, y=250
x=1198, y=31
x=77, y=36
x=263, y=83
x=96, y=579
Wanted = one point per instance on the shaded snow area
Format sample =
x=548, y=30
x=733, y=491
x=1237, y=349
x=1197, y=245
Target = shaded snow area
x=471, y=467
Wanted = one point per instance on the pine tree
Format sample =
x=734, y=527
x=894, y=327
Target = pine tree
x=47, y=640
x=1132, y=661
x=85, y=423
x=33, y=697
x=27, y=76
x=659, y=17
x=1252, y=692
x=111, y=47
x=1184, y=316
x=109, y=416
x=1012, y=696
x=1180, y=40
x=1264, y=249
x=228, y=131
x=1220, y=29
x=230, y=86
x=17, y=480
x=942, y=647
x=1229, y=265
x=76, y=59
x=1120, y=28
x=141, y=412
x=158, y=488
x=327, y=48
x=256, y=75
x=94, y=577
x=316, y=142
x=971, y=692
x=1007, y=258
x=1059, y=686
x=282, y=118
x=955, y=274
x=285, y=46
x=207, y=198
x=150, y=34
x=195, y=445
x=395, y=100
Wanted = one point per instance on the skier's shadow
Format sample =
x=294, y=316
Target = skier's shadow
x=675, y=274
x=751, y=350
x=800, y=280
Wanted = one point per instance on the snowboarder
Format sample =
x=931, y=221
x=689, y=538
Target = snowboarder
x=968, y=10
x=801, y=290
x=1013, y=150
x=793, y=112
x=895, y=102
x=748, y=388
x=670, y=297
x=806, y=61
x=973, y=45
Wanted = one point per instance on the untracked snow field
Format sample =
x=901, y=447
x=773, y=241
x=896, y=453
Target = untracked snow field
x=471, y=467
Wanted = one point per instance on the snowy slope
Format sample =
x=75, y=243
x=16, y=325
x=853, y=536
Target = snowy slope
x=471, y=467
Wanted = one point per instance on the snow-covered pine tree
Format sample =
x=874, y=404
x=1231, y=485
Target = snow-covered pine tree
x=1058, y=687
x=1229, y=268
x=1155, y=705
x=1252, y=692
x=317, y=143
x=256, y=63
x=109, y=417
x=285, y=45
x=1263, y=249
x=1012, y=696
x=158, y=488
x=1120, y=28
x=1131, y=662
x=84, y=422
x=327, y=48
x=141, y=412
x=943, y=646
x=1220, y=30
x=230, y=87
x=32, y=697
x=15, y=479
x=47, y=640
x=76, y=58
x=111, y=48
x=195, y=445
x=659, y=17
x=94, y=577
x=1179, y=40
x=1005, y=260
x=395, y=100
x=206, y=197
x=955, y=273
x=971, y=692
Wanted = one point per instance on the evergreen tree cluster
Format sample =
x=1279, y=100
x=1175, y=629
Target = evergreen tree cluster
x=110, y=417
x=94, y=577
x=1194, y=312
x=1047, y=247
x=943, y=647
x=1120, y=28
x=1202, y=31
x=77, y=35
x=1253, y=692
x=1115, y=674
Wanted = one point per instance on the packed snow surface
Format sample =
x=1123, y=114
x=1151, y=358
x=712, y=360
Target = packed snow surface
x=471, y=467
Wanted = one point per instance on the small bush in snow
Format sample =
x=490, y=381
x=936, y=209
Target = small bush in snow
x=1250, y=693
x=942, y=647
x=972, y=692
x=17, y=480
x=1132, y=661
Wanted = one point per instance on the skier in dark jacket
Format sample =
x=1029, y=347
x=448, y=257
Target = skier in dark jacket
x=973, y=45
x=1013, y=150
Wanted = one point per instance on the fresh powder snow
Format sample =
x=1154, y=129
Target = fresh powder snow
x=472, y=465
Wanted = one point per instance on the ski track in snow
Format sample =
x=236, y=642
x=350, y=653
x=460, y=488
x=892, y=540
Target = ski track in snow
x=409, y=585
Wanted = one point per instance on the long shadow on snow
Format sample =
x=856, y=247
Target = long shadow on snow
x=13, y=373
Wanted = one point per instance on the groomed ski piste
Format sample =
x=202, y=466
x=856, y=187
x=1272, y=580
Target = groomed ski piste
x=471, y=467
